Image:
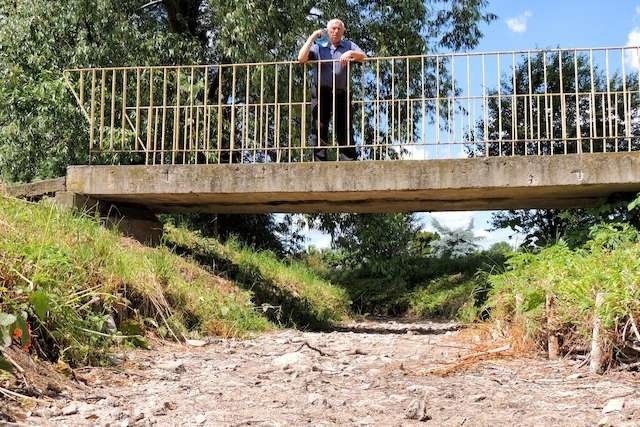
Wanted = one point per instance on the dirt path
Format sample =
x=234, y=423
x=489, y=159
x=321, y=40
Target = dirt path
x=365, y=374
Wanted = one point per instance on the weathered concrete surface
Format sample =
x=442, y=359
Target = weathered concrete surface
x=370, y=186
x=36, y=189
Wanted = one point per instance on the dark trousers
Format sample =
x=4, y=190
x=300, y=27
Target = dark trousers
x=322, y=107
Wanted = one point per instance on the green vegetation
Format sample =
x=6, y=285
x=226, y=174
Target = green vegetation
x=301, y=297
x=70, y=289
x=608, y=263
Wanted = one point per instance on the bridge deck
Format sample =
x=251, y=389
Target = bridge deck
x=374, y=186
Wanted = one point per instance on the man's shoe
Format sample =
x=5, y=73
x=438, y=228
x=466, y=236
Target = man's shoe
x=344, y=158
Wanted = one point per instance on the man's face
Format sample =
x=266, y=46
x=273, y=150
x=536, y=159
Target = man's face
x=335, y=31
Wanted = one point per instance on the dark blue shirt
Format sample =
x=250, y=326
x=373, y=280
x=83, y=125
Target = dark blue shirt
x=318, y=52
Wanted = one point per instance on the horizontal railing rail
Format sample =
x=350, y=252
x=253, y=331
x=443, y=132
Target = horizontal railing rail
x=532, y=102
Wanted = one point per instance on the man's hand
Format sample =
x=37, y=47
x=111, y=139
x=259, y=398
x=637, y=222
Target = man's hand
x=347, y=57
x=317, y=34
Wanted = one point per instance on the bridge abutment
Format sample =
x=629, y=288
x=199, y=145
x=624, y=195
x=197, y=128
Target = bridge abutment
x=132, y=220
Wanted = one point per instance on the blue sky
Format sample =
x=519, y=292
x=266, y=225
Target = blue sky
x=523, y=25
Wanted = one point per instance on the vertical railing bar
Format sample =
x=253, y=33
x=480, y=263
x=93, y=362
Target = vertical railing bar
x=246, y=115
x=113, y=109
x=609, y=115
x=303, y=116
x=469, y=95
x=377, y=107
x=124, y=108
x=437, y=102
x=93, y=111
x=530, y=102
x=232, y=132
x=576, y=83
x=393, y=108
x=176, y=119
x=451, y=100
x=263, y=142
x=514, y=105
x=164, y=114
x=408, y=127
x=625, y=105
x=138, y=95
x=196, y=139
x=156, y=119
x=362, y=110
x=424, y=106
x=563, y=102
x=548, y=105
x=593, y=129
x=276, y=114
x=348, y=108
x=150, y=138
x=103, y=90
x=206, y=118
x=290, y=89
x=333, y=109
x=499, y=107
x=219, y=124
x=189, y=117
x=485, y=107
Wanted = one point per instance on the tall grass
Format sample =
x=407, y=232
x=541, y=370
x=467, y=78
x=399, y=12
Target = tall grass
x=609, y=263
x=82, y=288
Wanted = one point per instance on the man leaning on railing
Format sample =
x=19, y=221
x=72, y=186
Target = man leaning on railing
x=325, y=95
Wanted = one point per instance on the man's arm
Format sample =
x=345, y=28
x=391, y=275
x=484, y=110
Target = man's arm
x=303, y=55
x=354, y=54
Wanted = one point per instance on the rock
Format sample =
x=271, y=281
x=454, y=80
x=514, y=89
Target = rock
x=575, y=376
x=316, y=399
x=613, y=405
x=417, y=410
x=173, y=366
x=196, y=343
x=69, y=409
x=477, y=397
x=291, y=360
x=200, y=419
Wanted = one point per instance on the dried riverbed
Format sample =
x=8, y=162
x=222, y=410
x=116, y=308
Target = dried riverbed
x=368, y=373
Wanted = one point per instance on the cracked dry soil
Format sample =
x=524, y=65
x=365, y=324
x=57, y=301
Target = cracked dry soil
x=382, y=373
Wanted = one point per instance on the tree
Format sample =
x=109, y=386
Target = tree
x=454, y=243
x=555, y=125
x=370, y=240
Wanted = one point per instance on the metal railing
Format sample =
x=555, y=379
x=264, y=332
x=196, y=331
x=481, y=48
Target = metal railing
x=534, y=102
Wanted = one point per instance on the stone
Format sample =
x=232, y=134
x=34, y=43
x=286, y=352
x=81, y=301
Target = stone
x=417, y=410
x=613, y=405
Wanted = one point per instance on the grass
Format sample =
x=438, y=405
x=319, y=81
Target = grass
x=67, y=281
x=290, y=293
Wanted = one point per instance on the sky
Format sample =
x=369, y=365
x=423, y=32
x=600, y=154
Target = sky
x=538, y=24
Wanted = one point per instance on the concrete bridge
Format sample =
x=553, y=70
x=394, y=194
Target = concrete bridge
x=498, y=130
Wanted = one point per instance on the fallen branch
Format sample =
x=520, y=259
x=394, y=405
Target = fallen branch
x=13, y=362
x=627, y=366
x=322, y=353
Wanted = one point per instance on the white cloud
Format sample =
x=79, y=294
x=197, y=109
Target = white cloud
x=632, y=56
x=518, y=24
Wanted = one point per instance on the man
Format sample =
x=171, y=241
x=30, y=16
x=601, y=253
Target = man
x=325, y=95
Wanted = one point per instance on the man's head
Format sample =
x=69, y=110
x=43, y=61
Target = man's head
x=335, y=31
